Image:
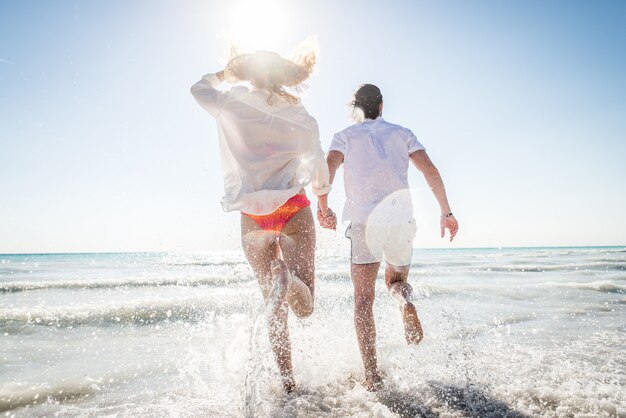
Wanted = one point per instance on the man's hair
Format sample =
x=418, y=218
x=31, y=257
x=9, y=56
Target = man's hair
x=368, y=98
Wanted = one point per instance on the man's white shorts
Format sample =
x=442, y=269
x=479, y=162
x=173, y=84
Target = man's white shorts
x=371, y=243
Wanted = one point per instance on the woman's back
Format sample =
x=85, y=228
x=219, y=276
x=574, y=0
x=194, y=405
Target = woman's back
x=269, y=146
x=260, y=127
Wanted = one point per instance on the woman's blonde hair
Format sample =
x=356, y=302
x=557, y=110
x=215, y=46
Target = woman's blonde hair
x=269, y=71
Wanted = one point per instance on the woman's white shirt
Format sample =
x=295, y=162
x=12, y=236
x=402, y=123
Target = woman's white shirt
x=268, y=152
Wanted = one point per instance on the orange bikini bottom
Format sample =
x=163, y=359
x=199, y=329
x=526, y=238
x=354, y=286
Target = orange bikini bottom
x=277, y=220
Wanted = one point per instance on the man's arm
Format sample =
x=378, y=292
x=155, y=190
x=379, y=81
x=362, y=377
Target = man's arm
x=334, y=160
x=423, y=163
x=325, y=215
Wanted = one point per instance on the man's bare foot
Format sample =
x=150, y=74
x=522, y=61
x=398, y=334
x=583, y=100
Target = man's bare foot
x=289, y=385
x=280, y=283
x=412, y=328
x=373, y=383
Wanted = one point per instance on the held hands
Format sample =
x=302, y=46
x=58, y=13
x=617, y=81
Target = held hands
x=449, y=221
x=327, y=218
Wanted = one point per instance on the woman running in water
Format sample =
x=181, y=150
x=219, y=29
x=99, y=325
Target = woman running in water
x=270, y=150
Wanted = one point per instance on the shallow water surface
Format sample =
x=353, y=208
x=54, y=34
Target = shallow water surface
x=509, y=332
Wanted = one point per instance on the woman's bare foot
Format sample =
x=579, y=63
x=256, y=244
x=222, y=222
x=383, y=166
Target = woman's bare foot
x=280, y=283
x=412, y=328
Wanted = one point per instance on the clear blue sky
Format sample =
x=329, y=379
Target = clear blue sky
x=521, y=105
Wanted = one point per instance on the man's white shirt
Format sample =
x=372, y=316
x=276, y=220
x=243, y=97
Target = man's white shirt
x=376, y=160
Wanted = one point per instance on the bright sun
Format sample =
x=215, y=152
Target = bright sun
x=256, y=24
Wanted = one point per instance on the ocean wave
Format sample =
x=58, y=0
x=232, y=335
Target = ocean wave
x=604, y=286
x=146, y=313
x=132, y=282
x=19, y=396
x=190, y=308
x=126, y=316
x=222, y=263
x=86, y=284
x=544, y=268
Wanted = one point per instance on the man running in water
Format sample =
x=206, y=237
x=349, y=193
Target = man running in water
x=376, y=155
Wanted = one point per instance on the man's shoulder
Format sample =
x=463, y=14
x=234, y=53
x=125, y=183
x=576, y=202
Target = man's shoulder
x=365, y=128
x=351, y=130
x=384, y=124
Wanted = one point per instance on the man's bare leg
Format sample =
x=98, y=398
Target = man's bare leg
x=364, y=281
x=396, y=280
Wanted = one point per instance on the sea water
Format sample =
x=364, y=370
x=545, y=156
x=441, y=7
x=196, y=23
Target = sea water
x=526, y=332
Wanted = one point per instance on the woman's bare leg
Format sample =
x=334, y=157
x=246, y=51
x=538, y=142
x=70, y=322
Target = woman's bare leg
x=364, y=281
x=283, y=283
x=259, y=247
x=396, y=279
x=298, y=247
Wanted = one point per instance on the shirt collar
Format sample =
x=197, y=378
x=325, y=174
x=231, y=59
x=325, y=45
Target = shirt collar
x=378, y=119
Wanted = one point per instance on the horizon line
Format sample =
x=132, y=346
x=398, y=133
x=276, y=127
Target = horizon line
x=418, y=249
